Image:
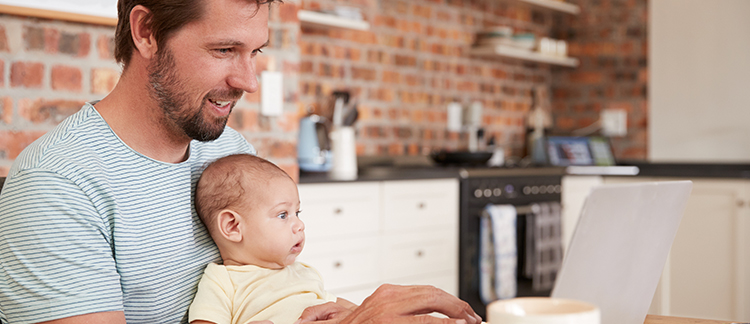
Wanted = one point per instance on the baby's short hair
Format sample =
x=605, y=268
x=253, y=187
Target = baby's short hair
x=226, y=181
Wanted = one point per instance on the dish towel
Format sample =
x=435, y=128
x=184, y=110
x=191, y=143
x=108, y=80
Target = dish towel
x=543, y=253
x=498, y=253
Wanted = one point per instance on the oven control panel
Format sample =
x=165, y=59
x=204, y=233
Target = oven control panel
x=514, y=188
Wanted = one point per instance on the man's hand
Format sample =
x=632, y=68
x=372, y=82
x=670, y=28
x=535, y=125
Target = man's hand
x=329, y=312
x=399, y=304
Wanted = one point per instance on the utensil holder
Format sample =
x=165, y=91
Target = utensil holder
x=344, y=164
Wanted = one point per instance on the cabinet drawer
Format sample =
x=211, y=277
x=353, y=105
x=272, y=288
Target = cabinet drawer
x=413, y=254
x=420, y=204
x=344, y=263
x=349, y=209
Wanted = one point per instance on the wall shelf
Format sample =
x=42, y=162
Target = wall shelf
x=329, y=20
x=555, y=5
x=522, y=54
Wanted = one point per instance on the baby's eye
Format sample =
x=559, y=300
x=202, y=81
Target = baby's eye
x=298, y=212
x=282, y=215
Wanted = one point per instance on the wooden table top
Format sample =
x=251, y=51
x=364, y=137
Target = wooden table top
x=653, y=319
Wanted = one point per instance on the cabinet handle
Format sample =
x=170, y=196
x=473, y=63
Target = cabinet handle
x=337, y=264
x=338, y=211
x=421, y=205
x=740, y=203
x=420, y=253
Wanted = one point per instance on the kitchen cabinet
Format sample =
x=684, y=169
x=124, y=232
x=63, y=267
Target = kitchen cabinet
x=364, y=234
x=575, y=189
x=707, y=274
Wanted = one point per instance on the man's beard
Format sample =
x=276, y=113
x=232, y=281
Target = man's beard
x=168, y=90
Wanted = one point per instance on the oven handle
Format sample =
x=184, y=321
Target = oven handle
x=520, y=210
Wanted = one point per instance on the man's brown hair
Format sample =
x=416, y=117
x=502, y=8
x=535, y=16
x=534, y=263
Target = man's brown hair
x=165, y=18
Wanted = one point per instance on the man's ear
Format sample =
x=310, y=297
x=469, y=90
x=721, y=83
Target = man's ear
x=229, y=225
x=140, y=30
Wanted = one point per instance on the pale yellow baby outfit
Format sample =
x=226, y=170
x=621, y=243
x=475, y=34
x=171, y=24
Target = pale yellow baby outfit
x=241, y=294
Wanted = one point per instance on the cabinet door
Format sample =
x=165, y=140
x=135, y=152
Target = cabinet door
x=420, y=204
x=707, y=274
x=340, y=209
x=412, y=255
x=344, y=264
x=708, y=262
x=575, y=190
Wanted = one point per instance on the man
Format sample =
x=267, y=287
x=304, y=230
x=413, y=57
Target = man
x=96, y=216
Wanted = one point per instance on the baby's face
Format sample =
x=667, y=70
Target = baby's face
x=273, y=234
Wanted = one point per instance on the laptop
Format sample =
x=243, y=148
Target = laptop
x=619, y=247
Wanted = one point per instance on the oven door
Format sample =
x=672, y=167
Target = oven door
x=521, y=192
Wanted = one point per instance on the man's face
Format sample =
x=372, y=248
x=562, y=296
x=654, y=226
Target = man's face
x=204, y=68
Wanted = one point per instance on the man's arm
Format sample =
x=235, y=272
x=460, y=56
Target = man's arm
x=398, y=304
x=93, y=318
x=56, y=252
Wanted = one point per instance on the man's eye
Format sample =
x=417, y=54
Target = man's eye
x=283, y=215
x=258, y=51
x=224, y=50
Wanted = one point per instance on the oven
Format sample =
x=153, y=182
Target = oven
x=521, y=188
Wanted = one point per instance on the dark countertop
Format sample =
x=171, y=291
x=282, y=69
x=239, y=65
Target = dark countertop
x=631, y=168
x=693, y=170
x=385, y=173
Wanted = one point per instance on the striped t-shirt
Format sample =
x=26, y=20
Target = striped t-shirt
x=87, y=225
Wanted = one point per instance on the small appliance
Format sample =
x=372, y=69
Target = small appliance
x=313, y=148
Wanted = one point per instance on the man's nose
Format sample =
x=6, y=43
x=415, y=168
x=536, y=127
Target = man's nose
x=243, y=76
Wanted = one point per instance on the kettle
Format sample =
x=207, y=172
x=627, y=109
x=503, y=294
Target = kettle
x=313, y=148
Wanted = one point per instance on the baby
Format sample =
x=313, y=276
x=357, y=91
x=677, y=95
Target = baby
x=251, y=209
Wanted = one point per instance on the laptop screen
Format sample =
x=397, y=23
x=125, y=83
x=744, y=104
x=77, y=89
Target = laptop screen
x=620, y=246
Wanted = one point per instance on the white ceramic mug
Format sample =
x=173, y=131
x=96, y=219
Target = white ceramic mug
x=542, y=310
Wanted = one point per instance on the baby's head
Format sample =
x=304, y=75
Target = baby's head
x=251, y=207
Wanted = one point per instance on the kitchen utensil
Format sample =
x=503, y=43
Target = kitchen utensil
x=313, y=148
x=341, y=99
x=351, y=116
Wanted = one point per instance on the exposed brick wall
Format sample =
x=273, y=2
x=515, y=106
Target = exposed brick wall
x=403, y=71
x=413, y=61
x=609, y=37
x=50, y=68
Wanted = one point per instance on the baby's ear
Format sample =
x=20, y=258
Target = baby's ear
x=229, y=225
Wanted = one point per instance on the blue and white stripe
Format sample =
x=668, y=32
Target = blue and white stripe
x=89, y=225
